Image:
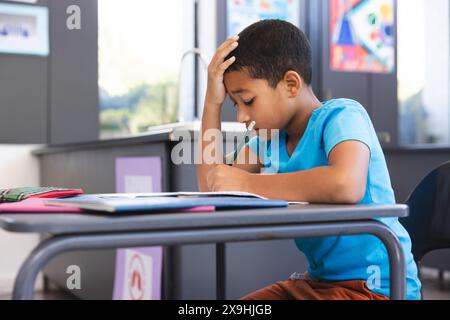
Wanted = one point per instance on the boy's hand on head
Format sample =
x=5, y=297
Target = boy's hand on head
x=216, y=92
x=226, y=178
x=211, y=176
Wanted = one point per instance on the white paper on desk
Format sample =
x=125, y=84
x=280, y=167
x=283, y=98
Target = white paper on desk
x=190, y=194
x=221, y=194
x=182, y=194
x=134, y=195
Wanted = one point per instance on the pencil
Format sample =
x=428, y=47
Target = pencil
x=243, y=143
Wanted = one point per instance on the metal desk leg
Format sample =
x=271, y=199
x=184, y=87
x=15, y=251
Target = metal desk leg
x=168, y=280
x=220, y=271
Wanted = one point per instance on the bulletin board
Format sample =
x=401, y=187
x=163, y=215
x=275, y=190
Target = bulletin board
x=242, y=13
x=362, y=36
x=24, y=29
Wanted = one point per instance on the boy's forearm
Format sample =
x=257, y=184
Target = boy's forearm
x=318, y=185
x=211, y=120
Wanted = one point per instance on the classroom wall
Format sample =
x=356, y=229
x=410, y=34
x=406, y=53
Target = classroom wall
x=50, y=99
x=17, y=168
x=53, y=99
x=23, y=96
x=73, y=74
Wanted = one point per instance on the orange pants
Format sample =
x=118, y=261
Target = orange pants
x=315, y=290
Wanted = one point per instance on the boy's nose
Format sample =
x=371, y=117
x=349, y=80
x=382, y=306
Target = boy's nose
x=242, y=116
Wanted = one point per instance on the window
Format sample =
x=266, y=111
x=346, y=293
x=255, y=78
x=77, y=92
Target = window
x=424, y=71
x=141, y=43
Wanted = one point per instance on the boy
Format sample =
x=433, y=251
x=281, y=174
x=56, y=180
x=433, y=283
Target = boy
x=326, y=153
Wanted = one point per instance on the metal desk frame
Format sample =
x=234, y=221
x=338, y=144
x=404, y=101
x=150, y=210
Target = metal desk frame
x=50, y=248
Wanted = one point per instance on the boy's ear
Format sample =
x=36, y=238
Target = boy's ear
x=293, y=83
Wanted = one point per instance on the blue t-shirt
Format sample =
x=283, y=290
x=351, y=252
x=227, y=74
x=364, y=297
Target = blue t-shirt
x=345, y=257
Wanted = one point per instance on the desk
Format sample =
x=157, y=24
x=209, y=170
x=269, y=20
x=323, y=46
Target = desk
x=89, y=232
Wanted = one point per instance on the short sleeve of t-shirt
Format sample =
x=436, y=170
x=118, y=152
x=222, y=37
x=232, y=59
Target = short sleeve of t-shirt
x=346, y=124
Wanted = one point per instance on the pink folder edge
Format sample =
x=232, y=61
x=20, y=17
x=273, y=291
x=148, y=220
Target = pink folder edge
x=36, y=205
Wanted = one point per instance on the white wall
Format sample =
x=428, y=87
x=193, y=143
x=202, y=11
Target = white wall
x=18, y=168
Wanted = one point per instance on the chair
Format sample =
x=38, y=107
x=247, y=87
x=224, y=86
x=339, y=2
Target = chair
x=428, y=223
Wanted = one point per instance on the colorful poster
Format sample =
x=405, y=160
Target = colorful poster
x=138, y=270
x=362, y=35
x=24, y=29
x=242, y=13
x=138, y=274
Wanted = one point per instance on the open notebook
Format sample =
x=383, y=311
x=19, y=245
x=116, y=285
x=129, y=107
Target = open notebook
x=166, y=201
x=181, y=194
x=191, y=194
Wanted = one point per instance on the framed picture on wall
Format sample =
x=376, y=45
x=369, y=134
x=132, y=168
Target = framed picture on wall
x=24, y=29
x=362, y=35
x=242, y=13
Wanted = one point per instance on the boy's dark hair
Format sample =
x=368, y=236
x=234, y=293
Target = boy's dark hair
x=270, y=48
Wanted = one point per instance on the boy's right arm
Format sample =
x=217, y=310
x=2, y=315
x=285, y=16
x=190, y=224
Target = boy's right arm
x=210, y=140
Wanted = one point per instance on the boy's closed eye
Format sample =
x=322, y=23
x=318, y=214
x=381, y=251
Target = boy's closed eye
x=248, y=102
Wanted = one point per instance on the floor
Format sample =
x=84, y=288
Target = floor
x=430, y=282
x=430, y=285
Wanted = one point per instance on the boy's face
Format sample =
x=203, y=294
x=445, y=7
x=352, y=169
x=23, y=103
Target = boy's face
x=257, y=101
